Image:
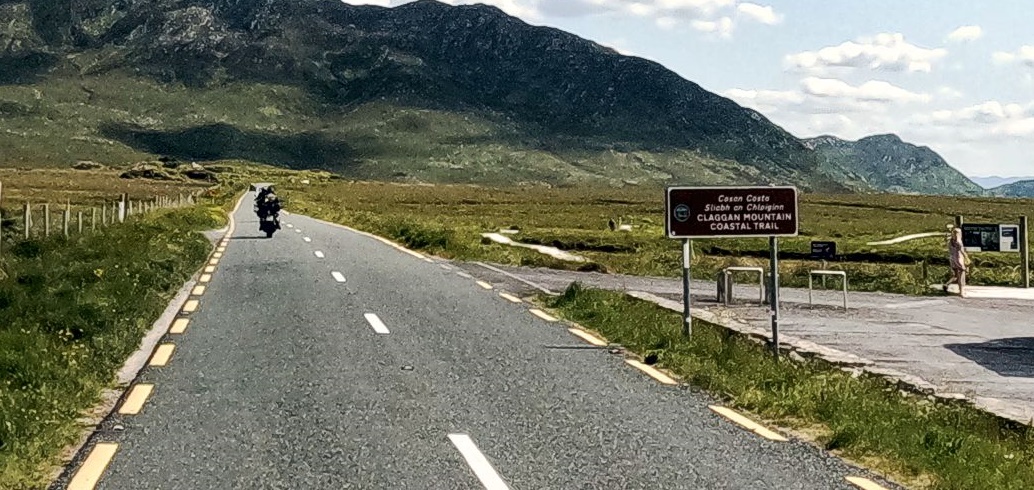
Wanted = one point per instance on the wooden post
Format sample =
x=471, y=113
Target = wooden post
x=65, y=218
x=93, y=220
x=28, y=221
x=80, y=222
x=1024, y=252
x=46, y=220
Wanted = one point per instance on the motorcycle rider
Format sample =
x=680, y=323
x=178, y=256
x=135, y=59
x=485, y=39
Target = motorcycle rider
x=268, y=204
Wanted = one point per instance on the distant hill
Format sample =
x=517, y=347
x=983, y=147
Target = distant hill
x=885, y=162
x=996, y=181
x=1022, y=188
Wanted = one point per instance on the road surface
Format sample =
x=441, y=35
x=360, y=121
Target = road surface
x=325, y=359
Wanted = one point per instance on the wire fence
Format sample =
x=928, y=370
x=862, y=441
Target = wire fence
x=38, y=220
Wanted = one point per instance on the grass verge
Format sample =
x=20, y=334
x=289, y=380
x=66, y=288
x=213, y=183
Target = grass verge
x=74, y=310
x=921, y=442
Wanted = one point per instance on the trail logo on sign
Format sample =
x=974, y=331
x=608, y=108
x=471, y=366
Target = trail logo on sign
x=682, y=213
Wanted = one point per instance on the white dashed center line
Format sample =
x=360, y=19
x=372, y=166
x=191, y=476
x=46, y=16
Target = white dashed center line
x=464, y=275
x=297, y=230
x=477, y=461
x=319, y=255
x=307, y=239
x=377, y=324
x=339, y=277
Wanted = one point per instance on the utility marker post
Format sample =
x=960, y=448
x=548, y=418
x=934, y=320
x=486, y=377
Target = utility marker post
x=687, y=318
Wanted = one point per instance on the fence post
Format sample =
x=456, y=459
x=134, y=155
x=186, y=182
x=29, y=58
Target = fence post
x=80, y=222
x=65, y=218
x=93, y=220
x=28, y=220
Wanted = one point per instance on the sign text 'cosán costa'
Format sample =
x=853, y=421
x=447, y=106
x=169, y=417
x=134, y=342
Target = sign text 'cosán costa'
x=715, y=212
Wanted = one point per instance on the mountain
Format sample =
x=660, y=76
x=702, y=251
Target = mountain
x=425, y=91
x=1022, y=188
x=996, y=181
x=885, y=162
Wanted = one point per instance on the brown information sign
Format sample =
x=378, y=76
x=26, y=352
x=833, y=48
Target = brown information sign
x=717, y=212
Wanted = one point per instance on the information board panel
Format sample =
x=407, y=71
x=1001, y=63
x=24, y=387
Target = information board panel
x=990, y=238
x=730, y=212
x=823, y=250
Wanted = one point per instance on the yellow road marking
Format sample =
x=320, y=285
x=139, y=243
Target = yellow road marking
x=426, y=259
x=205, y=278
x=543, y=315
x=217, y=255
x=484, y=285
x=163, y=354
x=210, y=269
x=136, y=399
x=511, y=298
x=198, y=291
x=747, y=423
x=588, y=337
x=213, y=262
x=191, y=306
x=650, y=371
x=221, y=248
x=179, y=326
x=93, y=467
x=864, y=483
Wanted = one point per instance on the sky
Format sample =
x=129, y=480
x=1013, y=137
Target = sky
x=954, y=75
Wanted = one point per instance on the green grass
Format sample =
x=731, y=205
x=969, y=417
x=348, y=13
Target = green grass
x=449, y=219
x=924, y=443
x=74, y=310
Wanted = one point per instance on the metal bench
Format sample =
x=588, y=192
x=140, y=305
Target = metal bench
x=725, y=283
x=812, y=274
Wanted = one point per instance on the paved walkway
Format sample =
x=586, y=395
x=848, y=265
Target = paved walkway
x=978, y=347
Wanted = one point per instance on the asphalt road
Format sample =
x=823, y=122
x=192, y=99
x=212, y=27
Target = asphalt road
x=283, y=379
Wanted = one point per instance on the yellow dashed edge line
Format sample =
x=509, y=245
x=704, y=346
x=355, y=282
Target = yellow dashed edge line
x=652, y=372
x=588, y=337
x=217, y=255
x=191, y=306
x=511, y=298
x=198, y=291
x=484, y=285
x=213, y=262
x=864, y=483
x=221, y=248
x=543, y=315
x=162, y=355
x=93, y=466
x=205, y=278
x=209, y=269
x=747, y=423
x=179, y=326
x=136, y=399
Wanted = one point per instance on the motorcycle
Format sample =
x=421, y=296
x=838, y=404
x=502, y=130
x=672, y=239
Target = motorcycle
x=269, y=224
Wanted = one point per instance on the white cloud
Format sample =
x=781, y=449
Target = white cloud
x=722, y=27
x=871, y=91
x=966, y=33
x=1024, y=56
x=667, y=23
x=948, y=93
x=760, y=13
x=886, y=52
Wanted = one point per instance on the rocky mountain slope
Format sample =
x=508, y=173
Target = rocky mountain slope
x=1022, y=188
x=425, y=91
x=885, y=162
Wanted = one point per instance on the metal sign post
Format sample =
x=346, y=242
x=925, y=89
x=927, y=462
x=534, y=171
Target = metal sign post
x=687, y=318
x=730, y=212
x=773, y=243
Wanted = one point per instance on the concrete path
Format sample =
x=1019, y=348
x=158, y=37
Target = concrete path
x=324, y=358
x=978, y=347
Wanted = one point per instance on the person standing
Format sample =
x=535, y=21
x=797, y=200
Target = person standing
x=958, y=259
